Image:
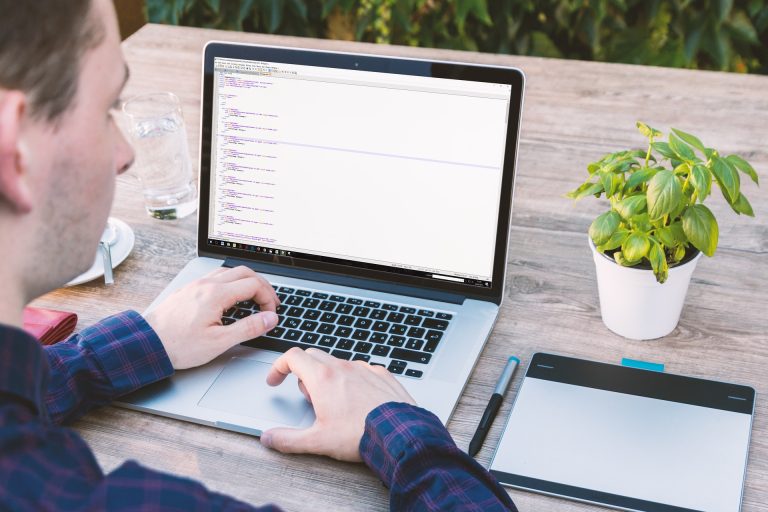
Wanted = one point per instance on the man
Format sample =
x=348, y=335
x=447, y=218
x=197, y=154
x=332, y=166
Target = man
x=61, y=73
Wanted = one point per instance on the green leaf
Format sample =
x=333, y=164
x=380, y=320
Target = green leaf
x=477, y=7
x=641, y=223
x=300, y=8
x=584, y=190
x=700, y=227
x=635, y=247
x=680, y=148
x=603, y=227
x=690, y=139
x=727, y=178
x=640, y=176
x=617, y=238
x=631, y=206
x=742, y=27
x=658, y=262
x=741, y=205
x=328, y=6
x=723, y=9
x=664, y=149
x=667, y=236
x=664, y=194
x=743, y=166
x=701, y=179
x=593, y=167
x=679, y=253
x=620, y=259
x=647, y=130
x=607, y=180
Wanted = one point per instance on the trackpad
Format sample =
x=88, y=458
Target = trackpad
x=241, y=388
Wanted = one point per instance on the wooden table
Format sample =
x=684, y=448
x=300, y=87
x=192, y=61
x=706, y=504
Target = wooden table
x=574, y=113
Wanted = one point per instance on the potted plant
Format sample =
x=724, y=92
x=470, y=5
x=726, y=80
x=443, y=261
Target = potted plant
x=646, y=246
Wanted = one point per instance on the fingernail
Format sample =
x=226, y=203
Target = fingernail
x=270, y=319
x=266, y=439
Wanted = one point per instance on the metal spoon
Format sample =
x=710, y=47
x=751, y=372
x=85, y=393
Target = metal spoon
x=108, y=238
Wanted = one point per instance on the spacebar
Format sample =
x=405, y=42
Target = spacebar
x=275, y=344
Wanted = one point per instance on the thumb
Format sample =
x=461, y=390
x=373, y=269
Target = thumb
x=251, y=327
x=289, y=440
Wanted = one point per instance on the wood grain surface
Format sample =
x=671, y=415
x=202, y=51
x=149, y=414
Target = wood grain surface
x=574, y=113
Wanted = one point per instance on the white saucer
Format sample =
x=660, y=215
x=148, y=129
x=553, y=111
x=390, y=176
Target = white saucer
x=120, y=250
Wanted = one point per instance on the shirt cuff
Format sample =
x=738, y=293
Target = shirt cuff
x=392, y=429
x=128, y=351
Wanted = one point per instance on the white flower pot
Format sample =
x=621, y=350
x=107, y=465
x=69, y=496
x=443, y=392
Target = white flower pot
x=633, y=304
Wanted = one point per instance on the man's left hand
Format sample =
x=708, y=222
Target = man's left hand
x=189, y=321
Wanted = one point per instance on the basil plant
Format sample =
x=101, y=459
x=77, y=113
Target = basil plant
x=657, y=215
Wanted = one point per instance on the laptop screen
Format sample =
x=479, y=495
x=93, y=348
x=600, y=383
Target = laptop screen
x=382, y=171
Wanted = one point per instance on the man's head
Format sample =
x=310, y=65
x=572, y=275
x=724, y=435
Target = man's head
x=61, y=73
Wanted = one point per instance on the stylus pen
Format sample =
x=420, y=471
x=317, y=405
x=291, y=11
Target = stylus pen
x=493, y=406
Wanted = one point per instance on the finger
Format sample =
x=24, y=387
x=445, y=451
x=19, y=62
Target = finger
x=232, y=274
x=294, y=361
x=217, y=271
x=303, y=389
x=248, y=328
x=246, y=289
x=290, y=440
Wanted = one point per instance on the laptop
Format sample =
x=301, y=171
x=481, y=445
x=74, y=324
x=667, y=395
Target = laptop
x=374, y=194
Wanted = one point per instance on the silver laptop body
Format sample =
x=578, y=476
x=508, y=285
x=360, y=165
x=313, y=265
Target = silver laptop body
x=373, y=181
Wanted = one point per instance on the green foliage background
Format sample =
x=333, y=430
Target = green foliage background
x=727, y=35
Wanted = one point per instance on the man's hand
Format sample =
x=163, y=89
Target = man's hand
x=189, y=322
x=342, y=394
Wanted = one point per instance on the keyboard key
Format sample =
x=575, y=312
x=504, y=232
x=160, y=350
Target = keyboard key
x=397, y=329
x=411, y=355
x=242, y=313
x=426, y=312
x=380, y=326
x=378, y=364
x=412, y=320
x=361, y=311
x=230, y=311
x=291, y=323
x=389, y=307
x=326, y=328
x=352, y=300
x=329, y=317
x=363, y=347
x=341, y=354
x=414, y=344
x=281, y=309
x=378, y=337
x=371, y=304
x=328, y=341
x=415, y=332
x=312, y=314
x=396, y=341
x=294, y=311
x=346, y=320
x=293, y=335
x=285, y=289
x=274, y=286
x=396, y=368
x=324, y=349
x=303, y=293
x=310, y=337
x=248, y=304
x=327, y=305
x=431, y=323
x=434, y=335
x=410, y=372
x=282, y=297
x=309, y=326
x=345, y=344
x=380, y=350
x=406, y=309
x=343, y=332
x=363, y=323
x=276, y=332
x=227, y=321
x=319, y=295
x=361, y=334
x=275, y=344
x=337, y=298
x=444, y=316
x=310, y=303
x=344, y=309
x=378, y=314
x=431, y=346
x=361, y=357
x=395, y=317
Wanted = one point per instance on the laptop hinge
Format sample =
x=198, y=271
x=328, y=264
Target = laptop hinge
x=342, y=280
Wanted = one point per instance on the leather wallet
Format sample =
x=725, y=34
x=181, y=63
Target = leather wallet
x=48, y=325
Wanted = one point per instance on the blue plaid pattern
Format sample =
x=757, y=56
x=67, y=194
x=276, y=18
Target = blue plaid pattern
x=44, y=466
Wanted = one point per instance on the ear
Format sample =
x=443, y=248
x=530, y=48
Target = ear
x=14, y=189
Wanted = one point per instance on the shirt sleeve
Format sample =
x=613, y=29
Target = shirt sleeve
x=414, y=455
x=118, y=355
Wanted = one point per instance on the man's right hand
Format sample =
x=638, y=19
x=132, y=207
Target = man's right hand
x=342, y=394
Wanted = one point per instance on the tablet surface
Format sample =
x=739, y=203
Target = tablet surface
x=627, y=438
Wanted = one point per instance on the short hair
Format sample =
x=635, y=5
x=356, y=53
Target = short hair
x=41, y=47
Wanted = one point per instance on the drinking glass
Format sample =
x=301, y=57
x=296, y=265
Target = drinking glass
x=162, y=161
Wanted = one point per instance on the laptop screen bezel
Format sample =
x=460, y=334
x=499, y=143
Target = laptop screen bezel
x=414, y=67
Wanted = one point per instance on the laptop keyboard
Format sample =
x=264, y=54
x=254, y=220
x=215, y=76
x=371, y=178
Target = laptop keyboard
x=399, y=337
